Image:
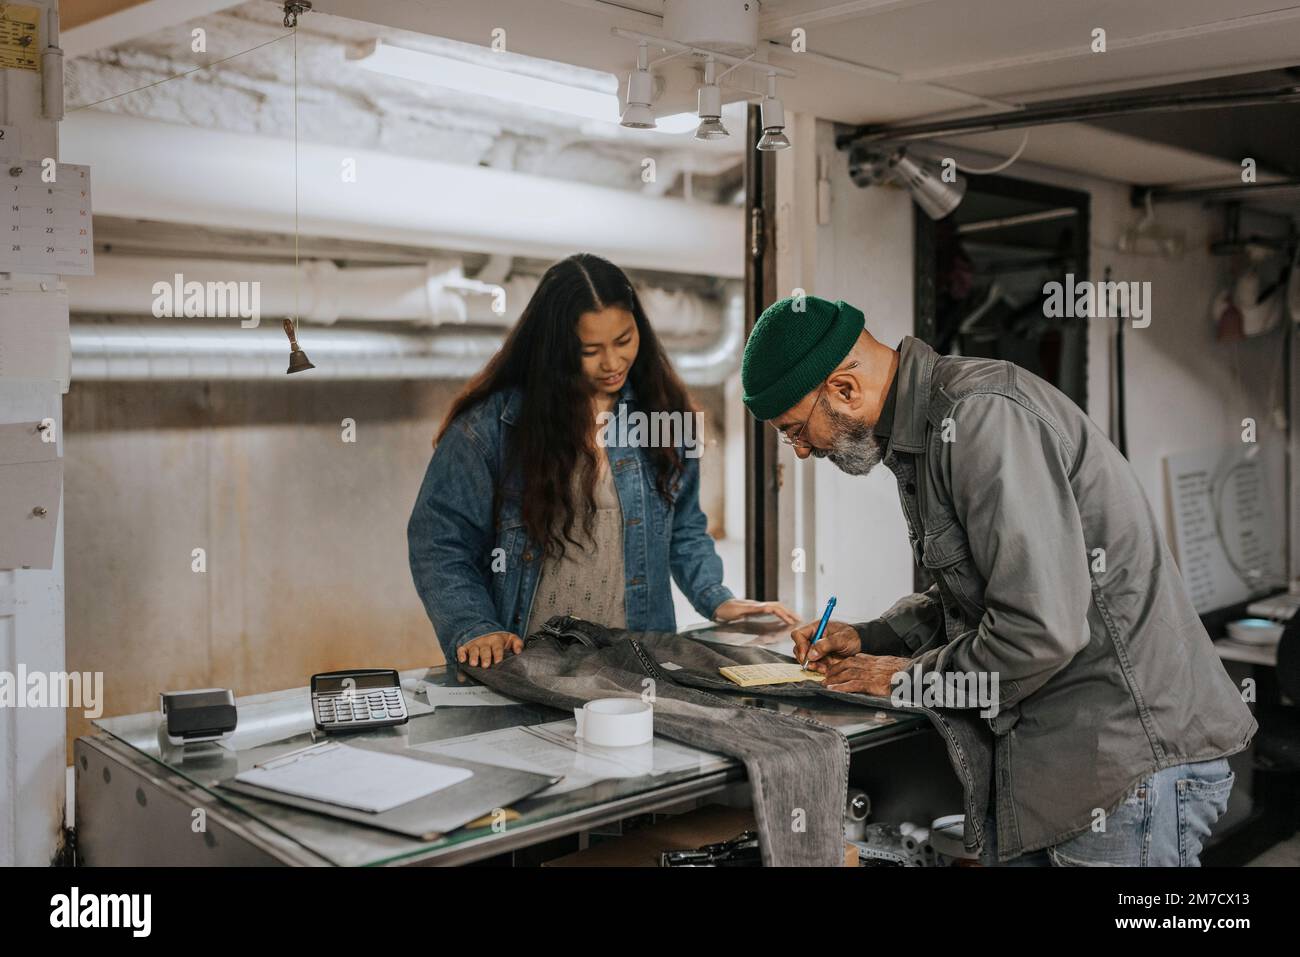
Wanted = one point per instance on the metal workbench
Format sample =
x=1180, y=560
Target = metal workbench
x=140, y=801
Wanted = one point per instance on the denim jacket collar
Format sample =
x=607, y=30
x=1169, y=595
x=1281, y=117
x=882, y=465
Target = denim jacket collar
x=510, y=411
x=915, y=366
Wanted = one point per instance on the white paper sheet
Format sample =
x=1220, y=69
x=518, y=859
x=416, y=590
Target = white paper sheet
x=1224, y=505
x=353, y=777
x=34, y=341
x=462, y=696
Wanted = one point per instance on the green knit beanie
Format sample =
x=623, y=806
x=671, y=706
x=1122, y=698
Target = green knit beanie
x=791, y=352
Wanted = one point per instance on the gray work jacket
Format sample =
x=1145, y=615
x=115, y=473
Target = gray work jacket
x=1051, y=571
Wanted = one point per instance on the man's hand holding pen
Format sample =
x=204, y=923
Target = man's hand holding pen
x=837, y=655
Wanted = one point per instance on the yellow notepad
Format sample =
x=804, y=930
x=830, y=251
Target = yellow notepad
x=749, y=676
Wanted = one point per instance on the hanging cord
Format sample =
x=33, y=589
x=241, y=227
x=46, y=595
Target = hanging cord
x=1001, y=166
x=297, y=280
x=179, y=76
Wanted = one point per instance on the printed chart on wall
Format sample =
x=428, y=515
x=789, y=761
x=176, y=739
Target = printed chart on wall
x=45, y=218
x=1227, y=514
x=20, y=48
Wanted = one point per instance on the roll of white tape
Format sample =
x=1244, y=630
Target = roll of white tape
x=615, y=722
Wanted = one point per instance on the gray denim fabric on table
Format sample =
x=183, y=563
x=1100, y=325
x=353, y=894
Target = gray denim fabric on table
x=792, y=762
x=798, y=769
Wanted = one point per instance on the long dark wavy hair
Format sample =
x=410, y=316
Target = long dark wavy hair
x=554, y=437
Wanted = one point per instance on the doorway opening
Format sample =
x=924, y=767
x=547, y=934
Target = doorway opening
x=981, y=273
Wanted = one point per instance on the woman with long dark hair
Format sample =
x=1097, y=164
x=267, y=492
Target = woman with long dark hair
x=539, y=500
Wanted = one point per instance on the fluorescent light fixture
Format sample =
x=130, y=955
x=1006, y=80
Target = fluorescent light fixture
x=497, y=82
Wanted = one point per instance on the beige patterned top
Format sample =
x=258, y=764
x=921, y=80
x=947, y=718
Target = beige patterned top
x=587, y=582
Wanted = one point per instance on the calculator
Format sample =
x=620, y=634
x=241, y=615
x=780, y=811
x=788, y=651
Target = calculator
x=357, y=700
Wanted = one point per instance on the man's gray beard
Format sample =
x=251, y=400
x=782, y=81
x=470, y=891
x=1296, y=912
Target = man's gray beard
x=855, y=449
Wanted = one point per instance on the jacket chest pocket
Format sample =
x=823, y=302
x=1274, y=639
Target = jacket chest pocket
x=640, y=500
x=945, y=553
x=510, y=545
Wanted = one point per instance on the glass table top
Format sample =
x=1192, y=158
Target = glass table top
x=278, y=722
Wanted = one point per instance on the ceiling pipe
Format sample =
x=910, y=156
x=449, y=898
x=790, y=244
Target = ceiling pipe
x=145, y=169
x=713, y=364
x=1022, y=219
x=205, y=349
x=1212, y=194
x=318, y=291
x=436, y=293
x=1067, y=111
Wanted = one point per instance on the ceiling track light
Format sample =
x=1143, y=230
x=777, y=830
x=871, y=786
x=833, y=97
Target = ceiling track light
x=640, y=89
x=936, y=196
x=710, y=105
x=709, y=109
x=772, y=111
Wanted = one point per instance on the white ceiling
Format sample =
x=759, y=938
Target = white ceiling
x=942, y=53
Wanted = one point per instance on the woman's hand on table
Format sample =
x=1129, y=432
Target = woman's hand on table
x=490, y=649
x=734, y=609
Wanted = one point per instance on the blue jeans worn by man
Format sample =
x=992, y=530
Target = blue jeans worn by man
x=1163, y=822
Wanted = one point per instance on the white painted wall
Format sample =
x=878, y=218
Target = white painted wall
x=1185, y=390
x=851, y=528
x=863, y=257
x=32, y=750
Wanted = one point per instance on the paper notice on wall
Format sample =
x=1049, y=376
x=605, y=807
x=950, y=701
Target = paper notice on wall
x=45, y=219
x=20, y=47
x=1228, y=518
x=34, y=341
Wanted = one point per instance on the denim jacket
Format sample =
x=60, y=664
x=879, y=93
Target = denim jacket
x=476, y=577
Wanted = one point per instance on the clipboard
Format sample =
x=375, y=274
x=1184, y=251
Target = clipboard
x=430, y=817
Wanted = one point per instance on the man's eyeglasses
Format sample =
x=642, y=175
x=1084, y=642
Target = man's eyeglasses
x=794, y=437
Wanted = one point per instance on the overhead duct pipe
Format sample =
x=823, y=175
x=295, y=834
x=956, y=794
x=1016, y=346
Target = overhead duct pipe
x=1072, y=110
x=314, y=290
x=1213, y=194
x=204, y=349
x=182, y=174
x=318, y=291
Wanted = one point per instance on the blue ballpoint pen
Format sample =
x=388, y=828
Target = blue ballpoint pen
x=821, y=627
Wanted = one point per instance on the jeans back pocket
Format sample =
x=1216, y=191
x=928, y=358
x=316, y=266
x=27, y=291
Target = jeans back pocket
x=1201, y=802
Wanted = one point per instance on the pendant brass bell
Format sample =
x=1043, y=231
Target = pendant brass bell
x=298, y=361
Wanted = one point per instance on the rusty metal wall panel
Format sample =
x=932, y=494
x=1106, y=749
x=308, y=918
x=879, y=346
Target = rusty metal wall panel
x=305, y=535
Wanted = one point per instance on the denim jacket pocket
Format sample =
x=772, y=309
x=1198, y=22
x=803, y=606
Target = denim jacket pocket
x=944, y=547
x=946, y=553
x=1006, y=719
